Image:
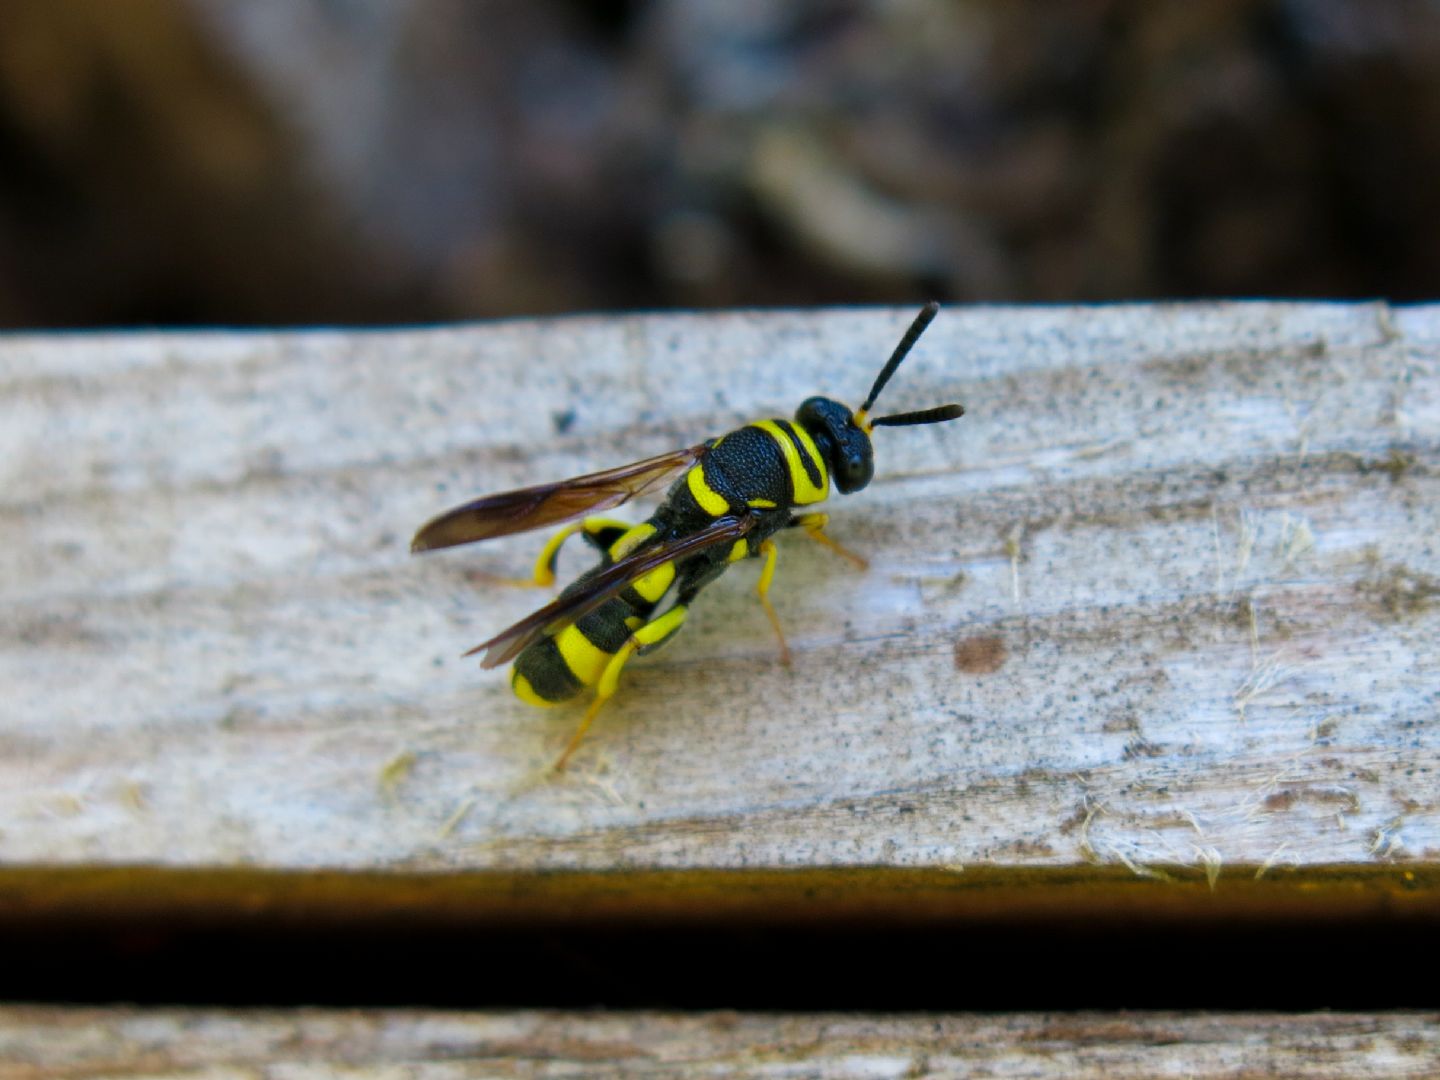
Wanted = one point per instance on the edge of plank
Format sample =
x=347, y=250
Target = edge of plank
x=989, y=893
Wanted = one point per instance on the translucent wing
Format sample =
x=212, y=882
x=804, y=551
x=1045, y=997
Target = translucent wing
x=595, y=590
x=549, y=504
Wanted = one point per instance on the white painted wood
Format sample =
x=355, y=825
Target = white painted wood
x=1169, y=596
x=76, y=1044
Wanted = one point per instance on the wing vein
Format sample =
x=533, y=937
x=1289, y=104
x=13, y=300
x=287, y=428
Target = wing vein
x=550, y=504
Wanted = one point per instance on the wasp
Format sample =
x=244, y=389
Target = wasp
x=730, y=496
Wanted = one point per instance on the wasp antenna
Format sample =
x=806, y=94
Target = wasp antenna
x=927, y=313
x=937, y=415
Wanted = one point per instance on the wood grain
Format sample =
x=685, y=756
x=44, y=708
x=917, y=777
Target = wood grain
x=40, y=1044
x=1164, y=606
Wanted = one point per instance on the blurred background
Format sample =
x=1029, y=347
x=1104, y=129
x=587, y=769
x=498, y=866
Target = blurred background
x=379, y=161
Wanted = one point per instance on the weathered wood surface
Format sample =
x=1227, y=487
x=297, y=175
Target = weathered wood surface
x=36, y=1044
x=1168, y=599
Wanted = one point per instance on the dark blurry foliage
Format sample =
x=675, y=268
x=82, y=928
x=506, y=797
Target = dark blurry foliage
x=240, y=161
x=143, y=179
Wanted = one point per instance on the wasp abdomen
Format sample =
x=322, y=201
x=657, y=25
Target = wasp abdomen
x=558, y=666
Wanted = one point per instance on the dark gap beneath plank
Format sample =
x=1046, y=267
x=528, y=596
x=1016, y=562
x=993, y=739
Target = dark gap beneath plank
x=875, y=966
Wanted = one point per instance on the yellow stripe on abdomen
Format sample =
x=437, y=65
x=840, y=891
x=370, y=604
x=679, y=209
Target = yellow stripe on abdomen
x=652, y=586
x=585, y=660
x=806, y=491
x=526, y=693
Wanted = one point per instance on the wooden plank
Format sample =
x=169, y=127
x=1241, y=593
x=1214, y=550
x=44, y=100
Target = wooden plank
x=36, y=1044
x=1164, y=603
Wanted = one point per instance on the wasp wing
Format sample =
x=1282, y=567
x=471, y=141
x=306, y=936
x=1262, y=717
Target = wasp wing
x=604, y=585
x=549, y=504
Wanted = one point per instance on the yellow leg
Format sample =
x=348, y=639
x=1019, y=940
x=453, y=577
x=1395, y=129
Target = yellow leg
x=543, y=576
x=585, y=723
x=767, y=575
x=814, y=526
x=650, y=636
x=483, y=577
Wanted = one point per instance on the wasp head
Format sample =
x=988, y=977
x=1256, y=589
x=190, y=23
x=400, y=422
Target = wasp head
x=843, y=437
x=843, y=443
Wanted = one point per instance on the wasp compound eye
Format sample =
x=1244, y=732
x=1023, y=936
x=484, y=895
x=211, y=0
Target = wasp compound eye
x=856, y=466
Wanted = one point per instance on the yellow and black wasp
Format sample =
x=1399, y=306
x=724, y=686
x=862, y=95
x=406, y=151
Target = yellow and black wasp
x=735, y=492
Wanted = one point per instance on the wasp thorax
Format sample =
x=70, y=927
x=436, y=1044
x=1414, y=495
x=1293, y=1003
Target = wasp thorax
x=840, y=441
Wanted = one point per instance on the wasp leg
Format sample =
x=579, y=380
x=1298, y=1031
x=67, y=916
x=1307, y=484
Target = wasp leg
x=601, y=532
x=769, y=550
x=814, y=526
x=647, y=639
